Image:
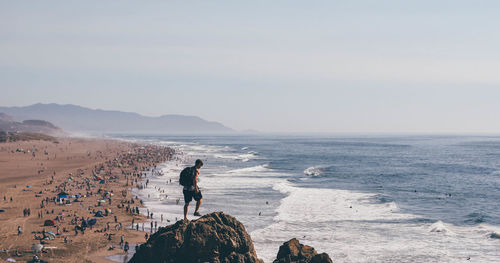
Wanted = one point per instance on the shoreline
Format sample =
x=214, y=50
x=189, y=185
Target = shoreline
x=36, y=170
x=350, y=209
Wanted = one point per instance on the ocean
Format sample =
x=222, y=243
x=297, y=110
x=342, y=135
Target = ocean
x=357, y=198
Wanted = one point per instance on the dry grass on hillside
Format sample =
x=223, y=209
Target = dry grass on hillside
x=14, y=136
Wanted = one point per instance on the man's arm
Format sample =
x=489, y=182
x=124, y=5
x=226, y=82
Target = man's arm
x=195, y=181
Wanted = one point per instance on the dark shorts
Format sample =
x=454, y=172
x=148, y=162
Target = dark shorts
x=189, y=195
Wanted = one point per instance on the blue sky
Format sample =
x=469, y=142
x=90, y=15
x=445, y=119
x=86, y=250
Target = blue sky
x=287, y=66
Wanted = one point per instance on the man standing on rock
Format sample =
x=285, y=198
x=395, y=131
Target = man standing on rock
x=189, y=179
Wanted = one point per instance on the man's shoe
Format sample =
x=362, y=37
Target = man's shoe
x=197, y=214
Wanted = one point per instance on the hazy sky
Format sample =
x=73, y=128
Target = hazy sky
x=304, y=66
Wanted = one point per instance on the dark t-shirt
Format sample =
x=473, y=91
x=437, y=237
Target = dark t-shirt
x=193, y=176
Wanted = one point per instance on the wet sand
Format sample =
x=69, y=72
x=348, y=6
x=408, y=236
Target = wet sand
x=36, y=170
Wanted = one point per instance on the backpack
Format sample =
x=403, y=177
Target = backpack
x=186, y=177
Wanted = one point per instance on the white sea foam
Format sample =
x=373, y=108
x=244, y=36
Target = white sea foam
x=250, y=155
x=315, y=170
x=314, y=216
x=326, y=205
x=197, y=149
x=245, y=157
x=220, y=152
x=489, y=231
x=440, y=227
x=350, y=227
x=251, y=177
x=258, y=168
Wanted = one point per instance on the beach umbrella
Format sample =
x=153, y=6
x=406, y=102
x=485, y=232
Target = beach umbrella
x=37, y=248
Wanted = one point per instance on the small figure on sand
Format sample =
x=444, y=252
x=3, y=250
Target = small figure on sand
x=126, y=247
x=189, y=179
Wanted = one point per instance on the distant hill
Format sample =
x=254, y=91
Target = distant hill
x=24, y=136
x=7, y=124
x=6, y=118
x=75, y=118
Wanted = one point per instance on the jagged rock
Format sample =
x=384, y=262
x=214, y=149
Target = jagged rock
x=321, y=258
x=215, y=237
x=294, y=252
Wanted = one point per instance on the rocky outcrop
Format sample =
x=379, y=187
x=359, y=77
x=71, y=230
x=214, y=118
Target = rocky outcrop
x=215, y=237
x=294, y=252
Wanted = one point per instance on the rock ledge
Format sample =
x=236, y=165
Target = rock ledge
x=294, y=252
x=215, y=237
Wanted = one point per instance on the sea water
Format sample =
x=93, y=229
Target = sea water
x=359, y=199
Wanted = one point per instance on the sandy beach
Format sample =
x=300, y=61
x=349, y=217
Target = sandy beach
x=95, y=175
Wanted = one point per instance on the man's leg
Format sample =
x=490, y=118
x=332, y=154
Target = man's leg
x=186, y=205
x=198, y=203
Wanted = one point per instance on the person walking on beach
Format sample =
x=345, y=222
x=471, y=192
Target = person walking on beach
x=126, y=247
x=189, y=179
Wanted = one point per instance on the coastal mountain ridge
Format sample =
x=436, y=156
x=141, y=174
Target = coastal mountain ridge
x=74, y=118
